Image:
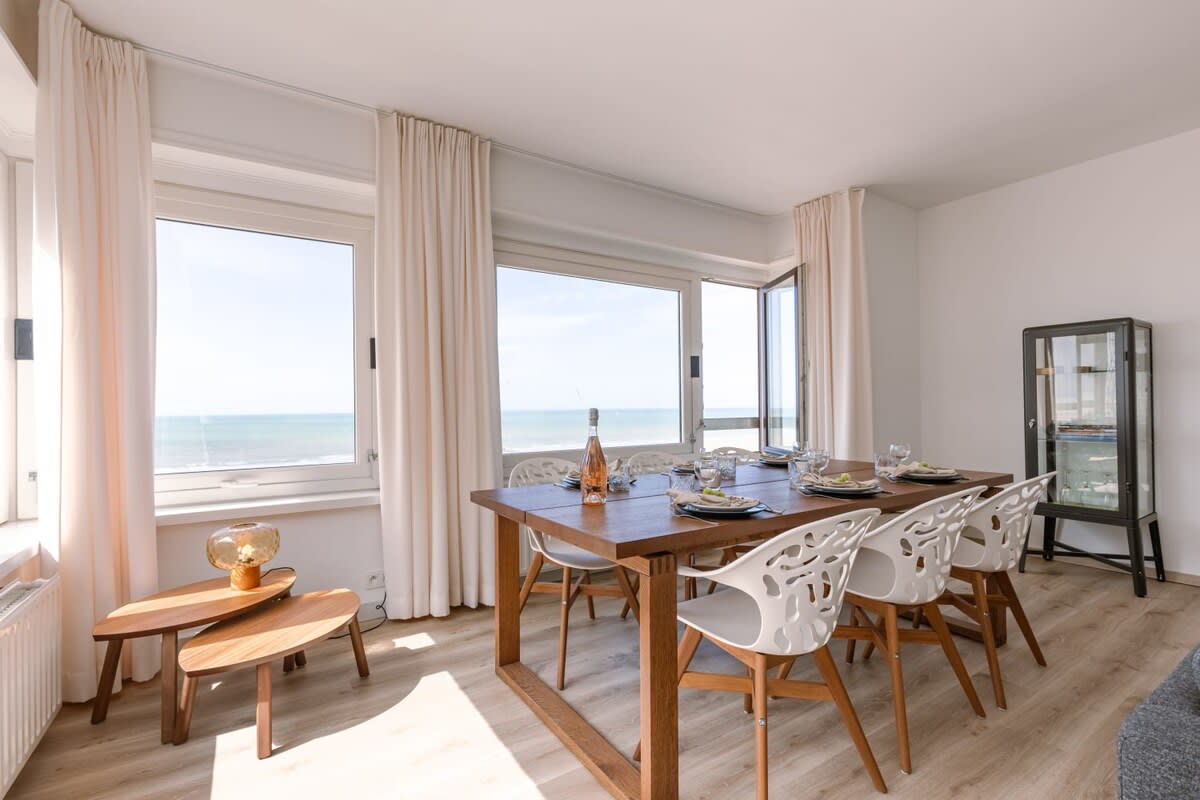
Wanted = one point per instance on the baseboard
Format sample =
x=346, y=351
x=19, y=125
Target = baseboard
x=1184, y=578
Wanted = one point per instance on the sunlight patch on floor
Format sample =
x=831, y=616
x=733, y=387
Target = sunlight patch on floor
x=416, y=641
x=393, y=754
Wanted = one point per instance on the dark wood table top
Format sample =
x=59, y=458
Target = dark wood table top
x=640, y=522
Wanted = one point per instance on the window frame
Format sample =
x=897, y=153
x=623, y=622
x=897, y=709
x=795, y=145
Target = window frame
x=205, y=207
x=555, y=261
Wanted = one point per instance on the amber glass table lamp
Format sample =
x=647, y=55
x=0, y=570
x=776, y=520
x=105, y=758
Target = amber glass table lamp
x=242, y=549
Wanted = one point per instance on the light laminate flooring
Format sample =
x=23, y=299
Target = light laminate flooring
x=433, y=721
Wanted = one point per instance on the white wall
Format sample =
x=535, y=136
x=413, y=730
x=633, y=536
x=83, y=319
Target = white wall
x=1117, y=236
x=890, y=241
x=327, y=548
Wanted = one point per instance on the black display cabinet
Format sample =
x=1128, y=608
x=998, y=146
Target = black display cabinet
x=1089, y=415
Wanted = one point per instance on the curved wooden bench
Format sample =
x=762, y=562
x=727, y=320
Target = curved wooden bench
x=168, y=613
x=255, y=640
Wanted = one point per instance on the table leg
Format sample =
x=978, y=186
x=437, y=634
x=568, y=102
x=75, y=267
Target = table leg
x=508, y=594
x=659, y=679
x=183, y=721
x=108, y=674
x=170, y=682
x=262, y=711
x=360, y=652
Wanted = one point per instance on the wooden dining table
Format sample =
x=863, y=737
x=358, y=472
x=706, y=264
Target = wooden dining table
x=638, y=530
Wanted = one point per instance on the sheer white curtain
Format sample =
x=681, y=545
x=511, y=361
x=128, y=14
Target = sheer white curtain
x=94, y=301
x=436, y=365
x=829, y=242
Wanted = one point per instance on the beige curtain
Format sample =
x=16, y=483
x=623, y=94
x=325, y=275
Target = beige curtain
x=829, y=242
x=94, y=314
x=435, y=327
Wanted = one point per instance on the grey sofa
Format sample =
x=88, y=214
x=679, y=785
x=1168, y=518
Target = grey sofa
x=1158, y=748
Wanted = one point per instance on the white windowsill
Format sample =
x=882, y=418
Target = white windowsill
x=18, y=544
x=233, y=509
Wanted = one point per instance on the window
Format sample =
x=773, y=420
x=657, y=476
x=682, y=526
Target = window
x=573, y=336
x=263, y=383
x=729, y=370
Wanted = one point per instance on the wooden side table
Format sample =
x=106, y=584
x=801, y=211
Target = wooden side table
x=257, y=639
x=167, y=613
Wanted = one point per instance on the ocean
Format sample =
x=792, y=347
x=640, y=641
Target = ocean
x=247, y=441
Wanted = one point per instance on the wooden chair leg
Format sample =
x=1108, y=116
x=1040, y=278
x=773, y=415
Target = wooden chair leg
x=892, y=626
x=979, y=586
x=301, y=659
x=262, y=710
x=748, y=700
x=289, y=663
x=841, y=699
x=760, y=728
x=633, y=589
x=631, y=603
x=1009, y=591
x=531, y=576
x=108, y=674
x=852, y=643
x=563, y=614
x=591, y=603
x=916, y=618
x=183, y=720
x=360, y=652
x=938, y=623
x=169, y=676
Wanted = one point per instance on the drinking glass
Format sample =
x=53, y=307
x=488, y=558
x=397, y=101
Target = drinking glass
x=797, y=468
x=682, y=482
x=708, y=472
x=818, y=460
x=883, y=461
x=620, y=480
x=727, y=466
x=900, y=452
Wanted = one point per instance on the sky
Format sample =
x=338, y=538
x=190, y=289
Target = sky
x=570, y=343
x=253, y=323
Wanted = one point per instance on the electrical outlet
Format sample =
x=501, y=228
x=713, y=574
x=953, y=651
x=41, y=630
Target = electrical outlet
x=375, y=579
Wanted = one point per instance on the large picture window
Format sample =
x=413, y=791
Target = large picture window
x=262, y=380
x=572, y=337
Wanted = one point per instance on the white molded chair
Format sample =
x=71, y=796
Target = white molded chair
x=991, y=545
x=651, y=462
x=783, y=601
x=534, y=471
x=903, y=565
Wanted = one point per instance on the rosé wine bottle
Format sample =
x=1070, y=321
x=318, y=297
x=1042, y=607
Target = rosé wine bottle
x=593, y=470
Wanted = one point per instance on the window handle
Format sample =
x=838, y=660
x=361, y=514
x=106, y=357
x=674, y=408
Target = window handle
x=238, y=483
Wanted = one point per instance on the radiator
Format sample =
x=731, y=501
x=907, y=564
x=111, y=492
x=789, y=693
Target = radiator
x=30, y=670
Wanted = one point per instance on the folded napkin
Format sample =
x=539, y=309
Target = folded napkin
x=682, y=498
x=813, y=479
x=574, y=475
x=915, y=468
x=777, y=452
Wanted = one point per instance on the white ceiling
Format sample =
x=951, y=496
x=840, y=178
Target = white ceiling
x=756, y=104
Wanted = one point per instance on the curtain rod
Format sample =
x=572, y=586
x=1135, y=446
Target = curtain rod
x=328, y=98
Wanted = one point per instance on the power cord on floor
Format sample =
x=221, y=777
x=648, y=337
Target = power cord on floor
x=379, y=624
x=378, y=607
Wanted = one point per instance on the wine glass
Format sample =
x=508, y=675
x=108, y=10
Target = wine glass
x=818, y=460
x=900, y=451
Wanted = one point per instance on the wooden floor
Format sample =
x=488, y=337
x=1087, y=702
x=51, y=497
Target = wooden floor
x=433, y=721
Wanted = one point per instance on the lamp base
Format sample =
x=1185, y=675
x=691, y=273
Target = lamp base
x=244, y=578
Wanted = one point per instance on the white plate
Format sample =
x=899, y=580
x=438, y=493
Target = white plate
x=842, y=490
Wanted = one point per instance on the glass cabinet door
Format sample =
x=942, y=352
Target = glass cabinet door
x=1076, y=388
x=1143, y=425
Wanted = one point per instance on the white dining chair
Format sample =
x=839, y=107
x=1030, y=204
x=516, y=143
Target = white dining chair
x=903, y=565
x=991, y=545
x=782, y=601
x=651, y=462
x=572, y=559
